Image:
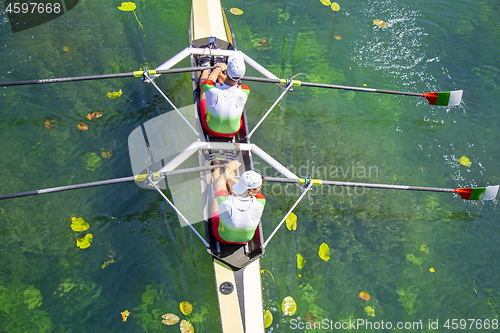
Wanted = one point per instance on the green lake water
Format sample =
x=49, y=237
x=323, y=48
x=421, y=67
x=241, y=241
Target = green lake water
x=382, y=242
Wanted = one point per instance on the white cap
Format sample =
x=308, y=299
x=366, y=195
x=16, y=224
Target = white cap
x=248, y=180
x=235, y=66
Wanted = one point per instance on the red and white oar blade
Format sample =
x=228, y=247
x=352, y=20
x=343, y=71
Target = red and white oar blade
x=446, y=98
x=478, y=193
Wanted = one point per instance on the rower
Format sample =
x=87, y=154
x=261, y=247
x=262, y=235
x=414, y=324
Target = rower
x=236, y=216
x=222, y=99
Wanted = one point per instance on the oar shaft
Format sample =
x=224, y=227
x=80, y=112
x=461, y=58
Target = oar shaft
x=333, y=86
x=102, y=76
x=108, y=182
x=390, y=187
x=67, y=188
x=329, y=86
x=353, y=184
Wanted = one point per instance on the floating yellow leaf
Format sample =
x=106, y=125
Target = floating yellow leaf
x=50, y=124
x=236, y=11
x=125, y=315
x=83, y=127
x=130, y=7
x=84, y=242
x=337, y=37
x=268, y=318
x=66, y=49
x=186, y=308
x=380, y=23
x=106, y=154
x=464, y=161
x=324, y=252
x=107, y=263
x=300, y=261
x=127, y=6
x=289, y=306
x=310, y=317
x=432, y=270
x=335, y=7
x=326, y=2
x=114, y=95
x=370, y=311
x=291, y=221
x=186, y=327
x=79, y=224
x=169, y=319
x=364, y=296
x=94, y=115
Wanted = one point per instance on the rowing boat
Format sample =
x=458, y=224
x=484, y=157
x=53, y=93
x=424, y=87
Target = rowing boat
x=236, y=267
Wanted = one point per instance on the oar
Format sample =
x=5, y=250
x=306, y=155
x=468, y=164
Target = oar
x=446, y=98
x=141, y=177
x=104, y=76
x=472, y=193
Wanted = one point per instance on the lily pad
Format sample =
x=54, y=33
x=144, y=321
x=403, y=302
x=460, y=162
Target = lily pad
x=300, y=261
x=289, y=306
x=324, y=252
x=170, y=319
x=236, y=11
x=125, y=315
x=127, y=6
x=364, y=296
x=79, y=224
x=268, y=318
x=380, y=23
x=186, y=327
x=94, y=115
x=115, y=94
x=186, y=308
x=85, y=241
x=83, y=127
x=464, y=161
x=370, y=311
x=291, y=221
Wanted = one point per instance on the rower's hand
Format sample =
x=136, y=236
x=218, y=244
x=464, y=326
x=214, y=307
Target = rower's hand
x=222, y=65
x=232, y=166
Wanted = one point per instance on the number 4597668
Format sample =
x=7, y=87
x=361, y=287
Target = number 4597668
x=33, y=8
x=471, y=324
